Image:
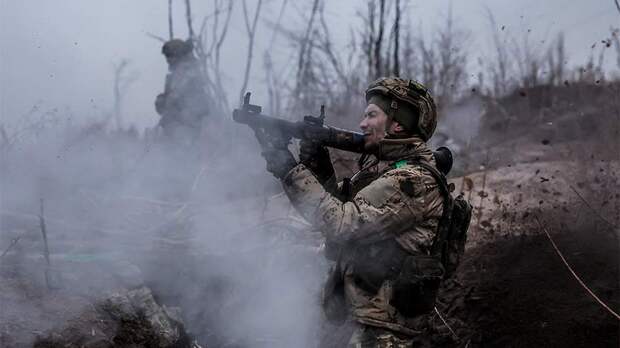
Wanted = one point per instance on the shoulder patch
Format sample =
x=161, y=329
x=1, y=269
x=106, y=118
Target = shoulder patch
x=411, y=180
x=408, y=187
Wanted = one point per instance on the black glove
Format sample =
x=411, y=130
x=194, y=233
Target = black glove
x=279, y=161
x=160, y=103
x=316, y=158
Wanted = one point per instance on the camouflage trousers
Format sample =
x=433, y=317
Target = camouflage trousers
x=374, y=337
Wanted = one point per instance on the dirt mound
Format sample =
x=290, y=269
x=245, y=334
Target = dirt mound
x=518, y=293
x=127, y=319
x=513, y=290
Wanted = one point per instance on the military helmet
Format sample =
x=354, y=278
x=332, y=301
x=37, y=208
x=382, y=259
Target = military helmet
x=177, y=48
x=418, y=115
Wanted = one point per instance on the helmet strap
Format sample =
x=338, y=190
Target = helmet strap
x=390, y=114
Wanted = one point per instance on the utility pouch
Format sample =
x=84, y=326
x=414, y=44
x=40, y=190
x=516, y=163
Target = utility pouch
x=414, y=290
x=375, y=263
x=333, y=301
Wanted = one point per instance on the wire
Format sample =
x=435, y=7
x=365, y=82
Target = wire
x=573, y=272
x=446, y=323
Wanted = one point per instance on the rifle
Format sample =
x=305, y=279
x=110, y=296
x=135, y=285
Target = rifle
x=277, y=133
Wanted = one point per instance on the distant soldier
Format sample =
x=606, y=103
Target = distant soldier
x=382, y=227
x=182, y=105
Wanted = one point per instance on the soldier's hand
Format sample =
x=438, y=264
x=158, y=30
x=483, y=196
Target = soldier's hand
x=160, y=103
x=279, y=161
x=316, y=158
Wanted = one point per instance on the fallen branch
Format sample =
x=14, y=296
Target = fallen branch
x=583, y=285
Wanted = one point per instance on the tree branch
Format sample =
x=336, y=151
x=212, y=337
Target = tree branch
x=251, y=33
x=158, y=38
x=306, y=38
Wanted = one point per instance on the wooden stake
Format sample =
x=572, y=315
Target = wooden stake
x=46, y=250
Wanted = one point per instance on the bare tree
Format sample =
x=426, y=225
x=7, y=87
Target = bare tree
x=369, y=38
x=529, y=60
x=396, y=70
x=122, y=81
x=277, y=25
x=5, y=143
x=305, y=49
x=326, y=46
x=381, y=59
x=556, y=58
x=219, y=41
x=615, y=39
x=170, y=28
x=188, y=18
x=428, y=62
x=207, y=46
x=323, y=75
x=251, y=32
x=272, y=78
x=379, y=40
x=450, y=44
x=500, y=66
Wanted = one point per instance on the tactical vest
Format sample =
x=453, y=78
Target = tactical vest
x=415, y=278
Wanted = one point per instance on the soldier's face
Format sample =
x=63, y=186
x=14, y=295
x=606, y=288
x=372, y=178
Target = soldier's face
x=374, y=125
x=171, y=60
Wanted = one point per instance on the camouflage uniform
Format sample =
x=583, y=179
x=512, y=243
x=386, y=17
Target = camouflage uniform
x=374, y=337
x=401, y=203
x=182, y=104
x=381, y=228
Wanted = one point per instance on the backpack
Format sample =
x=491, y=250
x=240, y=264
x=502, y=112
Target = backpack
x=449, y=244
x=416, y=287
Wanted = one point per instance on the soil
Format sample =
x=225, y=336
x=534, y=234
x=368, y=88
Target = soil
x=520, y=294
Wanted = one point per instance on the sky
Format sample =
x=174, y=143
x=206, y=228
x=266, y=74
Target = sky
x=61, y=54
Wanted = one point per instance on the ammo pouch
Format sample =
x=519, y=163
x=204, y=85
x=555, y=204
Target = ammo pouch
x=374, y=263
x=415, y=278
x=414, y=290
x=333, y=301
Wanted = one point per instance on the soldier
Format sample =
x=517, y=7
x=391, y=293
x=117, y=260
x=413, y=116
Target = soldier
x=182, y=105
x=380, y=226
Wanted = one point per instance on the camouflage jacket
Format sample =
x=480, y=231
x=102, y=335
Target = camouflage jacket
x=401, y=202
x=184, y=99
